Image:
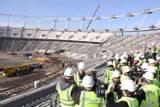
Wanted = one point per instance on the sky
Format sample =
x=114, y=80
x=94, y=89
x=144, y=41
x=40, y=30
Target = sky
x=78, y=8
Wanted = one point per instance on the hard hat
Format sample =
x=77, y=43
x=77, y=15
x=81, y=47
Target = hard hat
x=142, y=56
x=139, y=55
x=127, y=69
x=148, y=76
x=87, y=81
x=123, y=61
x=69, y=72
x=136, y=59
x=157, y=58
x=151, y=69
x=151, y=61
x=109, y=63
x=131, y=51
x=116, y=74
x=129, y=85
x=149, y=46
x=116, y=56
x=136, y=51
x=81, y=65
x=144, y=65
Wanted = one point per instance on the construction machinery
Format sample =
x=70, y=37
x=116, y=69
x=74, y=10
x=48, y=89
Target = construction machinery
x=20, y=69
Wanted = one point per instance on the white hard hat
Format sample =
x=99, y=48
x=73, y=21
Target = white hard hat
x=136, y=59
x=69, y=72
x=144, y=65
x=81, y=65
x=142, y=56
x=123, y=61
x=151, y=69
x=127, y=69
x=116, y=74
x=136, y=51
x=151, y=61
x=157, y=58
x=116, y=56
x=109, y=63
x=148, y=76
x=139, y=55
x=129, y=85
x=149, y=46
x=87, y=81
x=131, y=51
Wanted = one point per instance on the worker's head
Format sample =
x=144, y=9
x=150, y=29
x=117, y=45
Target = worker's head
x=158, y=58
x=88, y=82
x=81, y=67
x=109, y=63
x=69, y=73
x=148, y=76
x=151, y=69
x=144, y=67
x=136, y=59
x=123, y=62
x=116, y=76
x=127, y=71
x=128, y=87
x=152, y=62
x=117, y=57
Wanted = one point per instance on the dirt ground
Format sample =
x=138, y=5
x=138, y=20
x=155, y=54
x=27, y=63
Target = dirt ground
x=10, y=60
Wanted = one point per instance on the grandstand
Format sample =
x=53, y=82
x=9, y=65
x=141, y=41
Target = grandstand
x=94, y=47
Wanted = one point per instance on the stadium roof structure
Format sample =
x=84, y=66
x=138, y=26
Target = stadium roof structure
x=63, y=29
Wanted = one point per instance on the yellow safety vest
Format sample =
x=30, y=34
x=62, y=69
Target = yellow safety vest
x=65, y=96
x=152, y=95
x=114, y=93
x=132, y=102
x=90, y=99
x=108, y=77
x=116, y=64
x=77, y=79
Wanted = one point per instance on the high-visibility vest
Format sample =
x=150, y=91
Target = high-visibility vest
x=123, y=68
x=132, y=102
x=124, y=77
x=116, y=64
x=77, y=79
x=114, y=93
x=90, y=99
x=108, y=77
x=65, y=96
x=155, y=51
x=152, y=95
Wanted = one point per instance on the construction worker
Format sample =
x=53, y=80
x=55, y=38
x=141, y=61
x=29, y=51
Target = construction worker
x=125, y=75
x=108, y=72
x=114, y=86
x=124, y=65
x=116, y=61
x=65, y=88
x=148, y=94
x=78, y=76
x=86, y=96
x=148, y=53
x=152, y=69
x=128, y=99
x=144, y=67
x=154, y=51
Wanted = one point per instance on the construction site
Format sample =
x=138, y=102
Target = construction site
x=33, y=60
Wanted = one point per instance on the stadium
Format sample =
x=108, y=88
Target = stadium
x=34, y=57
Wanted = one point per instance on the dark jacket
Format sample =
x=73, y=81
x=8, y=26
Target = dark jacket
x=111, y=103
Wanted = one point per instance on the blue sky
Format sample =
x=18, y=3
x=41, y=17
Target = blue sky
x=79, y=8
